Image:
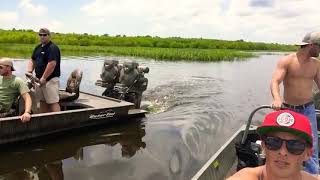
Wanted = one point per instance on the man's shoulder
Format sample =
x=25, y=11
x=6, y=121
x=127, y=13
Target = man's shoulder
x=53, y=45
x=308, y=176
x=288, y=59
x=315, y=60
x=246, y=174
x=18, y=80
x=37, y=46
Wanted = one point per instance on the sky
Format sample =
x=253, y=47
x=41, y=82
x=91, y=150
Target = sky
x=272, y=21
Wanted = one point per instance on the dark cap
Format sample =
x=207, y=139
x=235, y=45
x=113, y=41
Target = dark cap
x=44, y=30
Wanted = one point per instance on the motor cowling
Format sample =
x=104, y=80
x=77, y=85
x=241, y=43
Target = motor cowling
x=110, y=71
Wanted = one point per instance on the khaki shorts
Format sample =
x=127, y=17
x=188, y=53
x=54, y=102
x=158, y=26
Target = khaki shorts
x=49, y=92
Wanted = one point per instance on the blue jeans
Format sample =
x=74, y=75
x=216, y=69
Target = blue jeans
x=311, y=165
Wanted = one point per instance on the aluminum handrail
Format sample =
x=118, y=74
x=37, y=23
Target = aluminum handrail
x=246, y=131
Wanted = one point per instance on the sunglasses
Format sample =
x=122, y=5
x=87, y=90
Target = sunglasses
x=293, y=146
x=43, y=34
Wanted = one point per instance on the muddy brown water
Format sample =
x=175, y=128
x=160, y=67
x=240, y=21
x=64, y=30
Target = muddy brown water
x=197, y=107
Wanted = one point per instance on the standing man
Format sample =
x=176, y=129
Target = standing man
x=11, y=87
x=45, y=60
x=298, y=71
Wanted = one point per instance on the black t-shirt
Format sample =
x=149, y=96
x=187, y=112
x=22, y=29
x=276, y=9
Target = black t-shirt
x=43, y=55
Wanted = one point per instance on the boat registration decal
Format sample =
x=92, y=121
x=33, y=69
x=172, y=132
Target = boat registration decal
x=103, y=115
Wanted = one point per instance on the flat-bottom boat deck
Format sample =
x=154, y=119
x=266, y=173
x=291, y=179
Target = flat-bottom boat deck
x=86, y=100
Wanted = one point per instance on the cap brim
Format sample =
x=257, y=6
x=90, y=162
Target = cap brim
x=266, y=129
x=301, y=44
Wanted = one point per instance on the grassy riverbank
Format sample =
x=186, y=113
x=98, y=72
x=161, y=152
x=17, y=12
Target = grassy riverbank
x=20, y=44
x=25, y=50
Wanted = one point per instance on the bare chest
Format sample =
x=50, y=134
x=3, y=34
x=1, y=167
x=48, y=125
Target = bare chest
x=302, y=70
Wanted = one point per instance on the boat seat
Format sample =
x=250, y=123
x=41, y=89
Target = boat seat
x=73, y=87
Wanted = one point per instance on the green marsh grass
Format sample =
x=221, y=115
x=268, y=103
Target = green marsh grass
x=168, y=54
x=20, y=43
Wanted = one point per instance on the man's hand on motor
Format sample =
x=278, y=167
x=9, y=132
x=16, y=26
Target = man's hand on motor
x=276, y=104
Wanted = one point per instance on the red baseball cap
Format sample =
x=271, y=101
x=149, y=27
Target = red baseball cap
x=287, y=121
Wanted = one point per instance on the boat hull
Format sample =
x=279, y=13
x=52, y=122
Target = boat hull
x=88, y=110
x=218, y=166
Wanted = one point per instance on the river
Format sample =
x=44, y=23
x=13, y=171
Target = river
x=198, y=107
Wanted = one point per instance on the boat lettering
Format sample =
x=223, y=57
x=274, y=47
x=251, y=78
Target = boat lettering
x=102, y=115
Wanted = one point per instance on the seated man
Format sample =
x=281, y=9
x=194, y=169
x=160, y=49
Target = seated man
x=287, y=142
x=10, y=88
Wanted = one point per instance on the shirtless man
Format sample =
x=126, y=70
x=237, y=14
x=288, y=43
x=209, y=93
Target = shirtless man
x=298, y=71
x=287, y=142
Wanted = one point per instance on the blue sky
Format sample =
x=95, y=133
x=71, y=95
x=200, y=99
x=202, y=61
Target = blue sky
x=278, y=21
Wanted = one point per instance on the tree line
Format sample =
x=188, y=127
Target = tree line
x=30, y=37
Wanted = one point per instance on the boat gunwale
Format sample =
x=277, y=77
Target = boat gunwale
x=213, y=158
x=86, y=108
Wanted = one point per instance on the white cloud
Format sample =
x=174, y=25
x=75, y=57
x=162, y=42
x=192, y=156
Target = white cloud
x=8, y=17
x=152, y=17
x=287, y=21
x=283, y=21
x=54, y=26
x=30, y=9
x=28, y=15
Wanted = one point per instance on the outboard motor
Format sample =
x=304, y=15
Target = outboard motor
x=109, y=76
x=110, y=71
x=248, y=150
x=132, y=82
x=250, y=153
x=125, y=82
x=129, y=73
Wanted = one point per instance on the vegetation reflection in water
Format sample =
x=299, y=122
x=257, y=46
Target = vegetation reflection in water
x=39, y=160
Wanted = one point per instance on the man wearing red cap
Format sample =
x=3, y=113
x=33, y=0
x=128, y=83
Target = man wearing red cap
x=287, y=142
x=298, y=72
